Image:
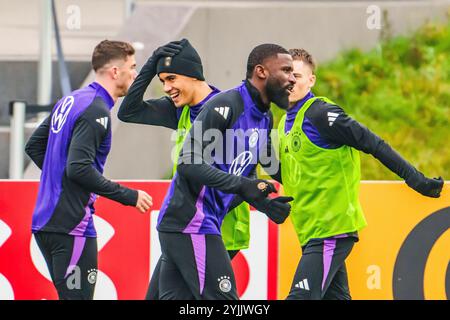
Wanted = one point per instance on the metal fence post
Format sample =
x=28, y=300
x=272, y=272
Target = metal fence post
x=44, y=89
x=128, y=8
x=16, y=140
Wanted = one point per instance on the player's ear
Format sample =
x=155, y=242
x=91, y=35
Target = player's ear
x=260, y=71
x=312, y=80
x=114, y=72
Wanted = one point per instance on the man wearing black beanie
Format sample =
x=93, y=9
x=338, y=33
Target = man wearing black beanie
x=236, y=125
x=186, y=62
x=180, y=69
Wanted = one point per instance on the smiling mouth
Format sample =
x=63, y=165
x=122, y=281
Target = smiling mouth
x=174, y=95
x=289, y=89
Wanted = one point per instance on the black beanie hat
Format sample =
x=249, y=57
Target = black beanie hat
x=187, y=62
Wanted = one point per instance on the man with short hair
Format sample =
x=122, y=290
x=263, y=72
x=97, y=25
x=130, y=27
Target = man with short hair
x=71, y=147
x=320, y=165
x=179, y=68
x=195, y=264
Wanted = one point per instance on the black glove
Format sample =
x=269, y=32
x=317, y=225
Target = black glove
x=425, y=186
x=277, y=209
x=168, y=50
x=253, y=190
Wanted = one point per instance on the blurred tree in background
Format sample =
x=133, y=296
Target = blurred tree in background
x=401, y=91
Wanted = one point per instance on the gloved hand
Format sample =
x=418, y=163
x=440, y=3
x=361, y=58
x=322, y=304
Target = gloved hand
x=277, y=209
x=253, y=190
x=425, y=186
x=168, y=50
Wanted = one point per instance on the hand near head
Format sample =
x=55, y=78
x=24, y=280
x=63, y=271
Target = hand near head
x=168, y=50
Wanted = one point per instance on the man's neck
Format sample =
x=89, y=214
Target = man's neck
x=201, y=93
x=108, y=87
x=292, y=104
x=261, y=89
x=258, y=95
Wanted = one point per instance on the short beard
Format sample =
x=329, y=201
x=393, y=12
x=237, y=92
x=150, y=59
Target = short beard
x=277, y=94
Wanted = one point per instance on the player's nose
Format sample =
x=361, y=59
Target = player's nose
x=167, y=87
x=291, y=78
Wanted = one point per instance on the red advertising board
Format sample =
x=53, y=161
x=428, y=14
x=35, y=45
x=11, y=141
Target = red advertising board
x=125, y=246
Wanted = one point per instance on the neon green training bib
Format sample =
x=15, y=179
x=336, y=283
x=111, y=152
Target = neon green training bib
x=323, y=182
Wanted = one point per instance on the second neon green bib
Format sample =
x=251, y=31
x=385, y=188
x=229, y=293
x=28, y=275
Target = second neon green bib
x=323, y=182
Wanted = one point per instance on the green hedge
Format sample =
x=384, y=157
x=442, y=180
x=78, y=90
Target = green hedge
x=401, y=91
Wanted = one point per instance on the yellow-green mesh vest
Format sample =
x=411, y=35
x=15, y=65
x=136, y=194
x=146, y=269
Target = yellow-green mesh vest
x=236, y=224
x=323, y=182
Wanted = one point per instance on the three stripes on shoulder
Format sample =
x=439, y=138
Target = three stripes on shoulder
x=103, y=121
x=332, y=116
x=223, y=111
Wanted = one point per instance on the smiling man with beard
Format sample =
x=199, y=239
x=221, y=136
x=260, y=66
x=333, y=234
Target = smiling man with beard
x=195, y=264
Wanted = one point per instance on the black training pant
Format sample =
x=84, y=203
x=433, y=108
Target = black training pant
x=72, y=262
x=321, y=272
x=195, y=266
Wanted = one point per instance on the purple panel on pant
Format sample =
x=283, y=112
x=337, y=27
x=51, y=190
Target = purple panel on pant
x=328, y=251
x=199, y=244
x=78, y=246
